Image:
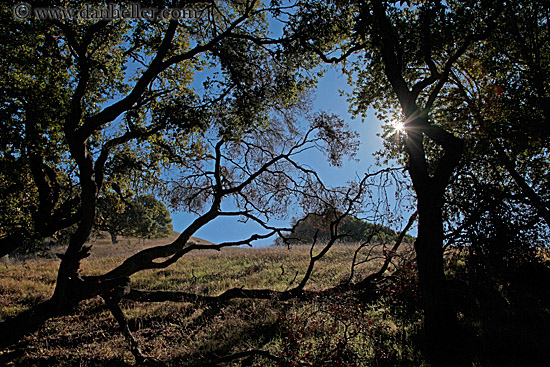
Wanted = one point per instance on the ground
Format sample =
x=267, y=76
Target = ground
x=505, y=318
x=186, y=334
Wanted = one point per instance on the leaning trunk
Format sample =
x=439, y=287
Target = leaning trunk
x=70, y=288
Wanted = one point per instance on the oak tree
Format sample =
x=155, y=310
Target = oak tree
x=90, y=106
x=400, y=57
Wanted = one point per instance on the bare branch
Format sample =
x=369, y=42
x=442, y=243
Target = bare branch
x=388, y=256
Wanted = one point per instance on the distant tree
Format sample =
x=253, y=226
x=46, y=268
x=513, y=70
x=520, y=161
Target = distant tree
x=111, y=216
x=142, y=217
x=148, y=218
x=313, y=227
x=361, y=230
x=317, y=227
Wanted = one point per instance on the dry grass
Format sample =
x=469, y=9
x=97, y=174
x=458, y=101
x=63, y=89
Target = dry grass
x=187, y=334
x=177, y=333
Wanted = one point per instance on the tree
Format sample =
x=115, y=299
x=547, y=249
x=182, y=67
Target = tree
x=402, y=56
x=89, y=123
x=143, y=217
x=233, y=144
x=149, y=218
x=111, y=216
x=461, y=89
x=37, y=200
x=316, y=227
x=261, y=183
x=499, y=105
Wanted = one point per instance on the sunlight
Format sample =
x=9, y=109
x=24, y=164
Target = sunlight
x=398, y=126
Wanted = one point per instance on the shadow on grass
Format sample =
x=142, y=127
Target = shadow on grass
x=18, y=359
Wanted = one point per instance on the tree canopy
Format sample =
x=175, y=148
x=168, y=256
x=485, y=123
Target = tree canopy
x=316, y=227
x=113, y=108
x=142, y=217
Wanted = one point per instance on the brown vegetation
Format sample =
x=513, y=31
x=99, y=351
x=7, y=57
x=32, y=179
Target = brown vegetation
x=177, y=333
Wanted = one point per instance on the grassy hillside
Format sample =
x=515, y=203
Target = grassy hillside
x=187, y=334
x=505, y=322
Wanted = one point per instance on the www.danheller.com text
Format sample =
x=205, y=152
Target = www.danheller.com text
x=112, y=11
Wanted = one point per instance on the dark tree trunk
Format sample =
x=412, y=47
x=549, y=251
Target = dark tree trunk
x=69, y=289
x=429, y=180
x=113, y=237
x=440, y=321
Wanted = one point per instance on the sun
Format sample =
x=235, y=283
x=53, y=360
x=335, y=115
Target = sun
x=398, y=126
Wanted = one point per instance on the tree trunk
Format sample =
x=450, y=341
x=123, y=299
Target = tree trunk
x=440, y=321
x=113, y=237
x=70, y=289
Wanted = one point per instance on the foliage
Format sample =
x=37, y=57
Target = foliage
x=415, y=63
x=142, y=217
x=314, y=226
x=468, y=81
x=149, y=218
x=95, y=107
x=340, y=330
x=494, y=101
x=498, y=201
x=135, y=123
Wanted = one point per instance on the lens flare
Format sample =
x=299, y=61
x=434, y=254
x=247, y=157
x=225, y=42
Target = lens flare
x=399, y=126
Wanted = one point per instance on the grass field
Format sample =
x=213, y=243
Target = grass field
x=186, y=334
x=505, y=318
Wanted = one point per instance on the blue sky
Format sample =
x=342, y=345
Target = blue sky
x=327, y=98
